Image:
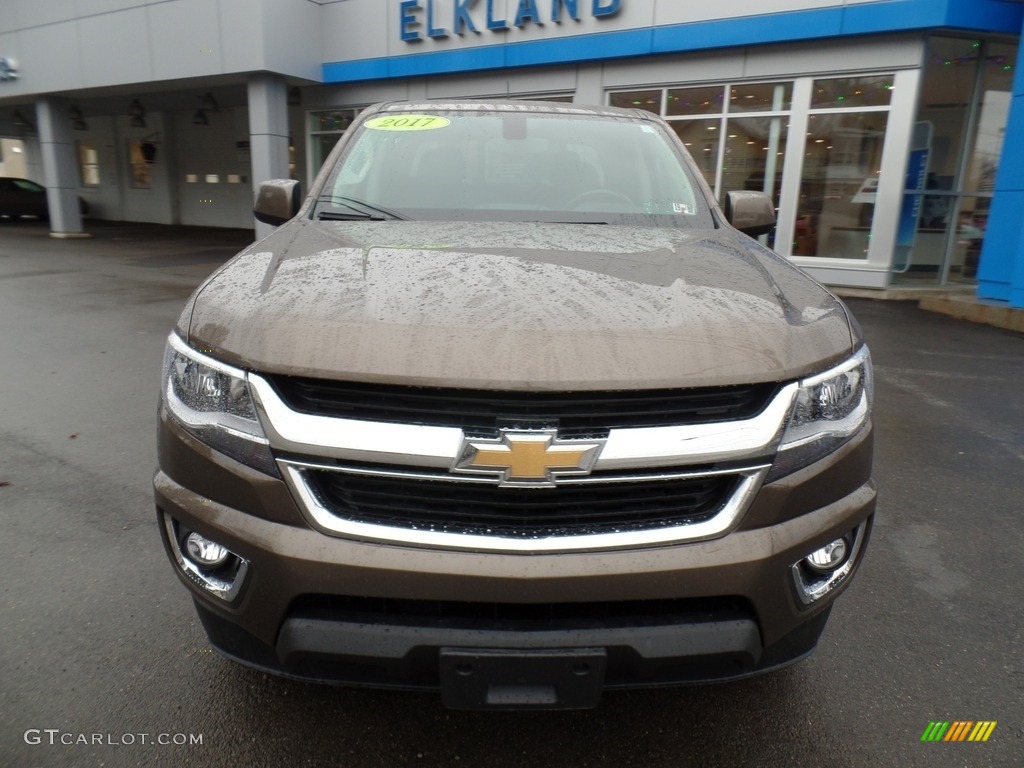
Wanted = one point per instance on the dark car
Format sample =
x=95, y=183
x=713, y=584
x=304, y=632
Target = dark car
x=21, y=197
x=509, y=408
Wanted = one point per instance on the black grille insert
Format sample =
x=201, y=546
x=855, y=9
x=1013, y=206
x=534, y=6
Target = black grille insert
x=519, y=616
x=526, y=513
x=575, y=414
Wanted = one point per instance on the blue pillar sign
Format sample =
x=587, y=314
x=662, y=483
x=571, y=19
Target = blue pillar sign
x=435, y=18
x=917, y=174
x=913, y=187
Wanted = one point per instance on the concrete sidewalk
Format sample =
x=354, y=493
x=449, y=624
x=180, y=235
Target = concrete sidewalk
x=129, y=238
x=967, y=306
x=959, y=301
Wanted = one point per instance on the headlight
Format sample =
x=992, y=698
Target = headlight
x=829, y=409
x=211, y=401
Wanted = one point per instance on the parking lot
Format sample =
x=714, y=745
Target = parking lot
x=99, y=639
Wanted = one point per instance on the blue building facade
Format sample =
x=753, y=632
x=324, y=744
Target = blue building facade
x=1001, y=273
x=910, y=194
x=885, y=130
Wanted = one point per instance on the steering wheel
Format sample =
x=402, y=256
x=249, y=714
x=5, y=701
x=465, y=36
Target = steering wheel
x=596, y=195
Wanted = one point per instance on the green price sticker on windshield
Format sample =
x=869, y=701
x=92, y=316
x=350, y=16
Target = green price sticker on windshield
x=407, y=123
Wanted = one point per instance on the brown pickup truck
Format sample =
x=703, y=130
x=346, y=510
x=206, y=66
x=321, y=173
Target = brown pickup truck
x=510, y=408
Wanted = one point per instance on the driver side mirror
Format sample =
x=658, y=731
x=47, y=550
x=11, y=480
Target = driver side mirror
x=752, y=213
x=277, y=200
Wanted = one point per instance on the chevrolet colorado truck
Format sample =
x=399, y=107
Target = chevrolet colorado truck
x=511, y=408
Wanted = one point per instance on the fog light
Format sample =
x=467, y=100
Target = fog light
x=826, y=569
x=829, y=557
x=205, y=563
x=205, y=553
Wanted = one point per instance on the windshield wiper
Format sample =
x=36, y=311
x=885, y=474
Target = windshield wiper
x=368, y=209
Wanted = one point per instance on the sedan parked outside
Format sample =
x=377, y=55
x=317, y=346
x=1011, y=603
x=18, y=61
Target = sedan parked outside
x=22, y=197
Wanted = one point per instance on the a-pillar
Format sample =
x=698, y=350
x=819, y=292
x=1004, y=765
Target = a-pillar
x=268, y=133
x=60, y=167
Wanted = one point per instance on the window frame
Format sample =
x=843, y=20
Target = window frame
x=85, y=169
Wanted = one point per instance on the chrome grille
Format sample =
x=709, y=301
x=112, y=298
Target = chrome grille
x=437, y=510
x=674, y=465
x=484, y=509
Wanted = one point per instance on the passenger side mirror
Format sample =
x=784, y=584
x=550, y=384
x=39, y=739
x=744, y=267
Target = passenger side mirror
x=277, y=201
x=750, y=212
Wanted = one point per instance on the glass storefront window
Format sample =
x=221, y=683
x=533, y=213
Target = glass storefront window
x=852, y=92
x=933, y=244
x=647, y=99
x=708, y=100
x=737, y=132
x=332, y=121
x=322, y=146
x=325, y=130
x=702, y=139
x=88, y=164
x=991, y=115
x=754, y=150
x=760, y=97
x=754, y=144
x=964, y=104
x=949, y=78
x=842, y=163
x=972, y=221
x=740, y=135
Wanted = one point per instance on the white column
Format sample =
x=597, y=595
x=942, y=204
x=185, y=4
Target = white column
x=268, y=133
x=60, y=167
x=589, y=85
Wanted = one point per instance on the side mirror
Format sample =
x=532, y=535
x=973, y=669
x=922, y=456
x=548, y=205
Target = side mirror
x=277, y=201
x=750, y=212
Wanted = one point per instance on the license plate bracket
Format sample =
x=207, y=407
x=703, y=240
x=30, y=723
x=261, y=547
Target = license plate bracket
x=483, y=678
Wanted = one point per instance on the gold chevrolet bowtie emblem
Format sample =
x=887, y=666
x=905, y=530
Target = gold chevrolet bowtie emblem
x=527, y=458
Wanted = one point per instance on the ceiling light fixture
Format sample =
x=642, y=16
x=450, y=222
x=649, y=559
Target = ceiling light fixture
x=77, y=119
x=137, y=113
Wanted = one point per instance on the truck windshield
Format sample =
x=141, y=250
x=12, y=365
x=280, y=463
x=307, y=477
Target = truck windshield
x=514, y=166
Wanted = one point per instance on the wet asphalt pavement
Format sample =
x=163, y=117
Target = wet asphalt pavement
x=100, y=647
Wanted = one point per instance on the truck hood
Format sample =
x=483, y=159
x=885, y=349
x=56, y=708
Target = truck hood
x=517, y=306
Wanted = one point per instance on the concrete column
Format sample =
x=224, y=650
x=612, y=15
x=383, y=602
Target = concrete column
x=60, y=167
x=268, y=133
x=33, y=160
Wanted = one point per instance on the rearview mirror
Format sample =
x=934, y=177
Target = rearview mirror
x=752, y=213
x=277, y=200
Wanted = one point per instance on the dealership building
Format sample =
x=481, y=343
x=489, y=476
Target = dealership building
x=885, y=130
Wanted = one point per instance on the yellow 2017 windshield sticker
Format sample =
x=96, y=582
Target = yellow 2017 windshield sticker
x=407, y=123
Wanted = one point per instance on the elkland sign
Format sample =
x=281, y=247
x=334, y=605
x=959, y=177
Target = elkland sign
x=440, y=18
